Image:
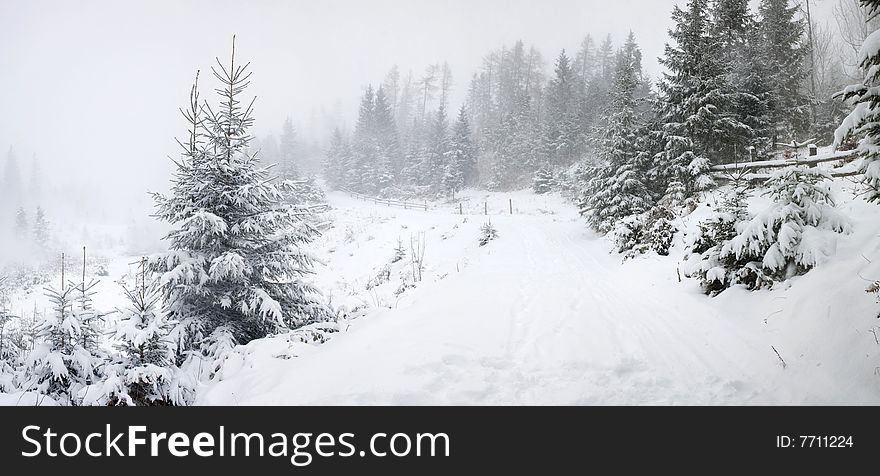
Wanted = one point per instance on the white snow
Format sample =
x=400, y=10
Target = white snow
x=546, y=314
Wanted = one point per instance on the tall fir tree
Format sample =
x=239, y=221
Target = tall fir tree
x=617, y=188
x=434, y=161
x=336, y=160
x=693, y=105
x=461, y=165
x=388, y=158
x=864, y=119
x=359, y=174
x=40, y=231
x=784, y=54
x=744, y=82
x=236, y=262
x=561, y=137
x=288, y=151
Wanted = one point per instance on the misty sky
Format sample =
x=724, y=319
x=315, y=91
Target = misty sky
x=93, y=87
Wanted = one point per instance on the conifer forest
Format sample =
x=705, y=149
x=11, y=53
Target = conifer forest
x=456, y=203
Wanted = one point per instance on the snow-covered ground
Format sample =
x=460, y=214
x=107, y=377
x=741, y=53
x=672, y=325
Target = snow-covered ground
x=546, y=314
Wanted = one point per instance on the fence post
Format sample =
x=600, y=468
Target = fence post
x=510, y=203
x=426, y=204
x=486, y=208
x=460, y=212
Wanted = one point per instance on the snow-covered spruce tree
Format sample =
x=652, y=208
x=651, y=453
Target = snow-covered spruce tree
x=434, y=161
x=236, y=258
x=40, y=231
x=361, y=172
x=562, y=140
x=335, y=160
x=517, y=148
x=145, y=373
x=288, y=149
x=784, y=53
x=717, y=272
x=616, y=188
x=66, y=358
x=744, y=88
x=794, y=234
x=389, y=160
x=864, y=120
x=461, y=164
x=698, y=116
x=543, y=180
x=304, y=191
x=487, y=233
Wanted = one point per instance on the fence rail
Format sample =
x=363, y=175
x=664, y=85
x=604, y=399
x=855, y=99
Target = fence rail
x=746, y=171
x=465, y=207
x=778, y=163
x=386, y=201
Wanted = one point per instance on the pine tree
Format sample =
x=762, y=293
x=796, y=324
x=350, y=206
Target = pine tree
x=585, y=62
x=66, y=359
x=435, y=159
x=146, y=372
x=40, y=231
x=717, y=272
x=361, y=175
x=746, y=96
x=543, y=181
x=288, y=148
x=595, y=99
x=461, y=165
x=864, y=119
x=236, y=260
x=794, y=234
x=617, y=187
x=784, y=54
x=517, y=144
x=693, y=105
x=336, y=160
x=388, y=157
x=562, y=139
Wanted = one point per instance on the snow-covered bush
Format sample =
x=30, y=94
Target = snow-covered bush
x=67, y=359
x=543, y=180
x=487, y=233
x=146, y=367
x=652, y=230
x=399, y=252
x=794, y=234
x=705, y=262
x=303, y=192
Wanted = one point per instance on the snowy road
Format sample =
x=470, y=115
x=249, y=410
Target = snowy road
x=546, y=314
x=543, y=315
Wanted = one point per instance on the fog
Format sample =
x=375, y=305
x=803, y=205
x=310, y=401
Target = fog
x=92, y=89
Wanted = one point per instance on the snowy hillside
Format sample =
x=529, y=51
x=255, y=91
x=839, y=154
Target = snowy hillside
x=546, y=314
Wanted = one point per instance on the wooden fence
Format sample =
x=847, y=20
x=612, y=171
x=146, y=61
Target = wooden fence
x=387, y=201
x=747, y=170
x=483, y=207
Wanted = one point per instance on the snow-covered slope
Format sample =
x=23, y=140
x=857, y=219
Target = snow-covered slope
x=546, y=314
